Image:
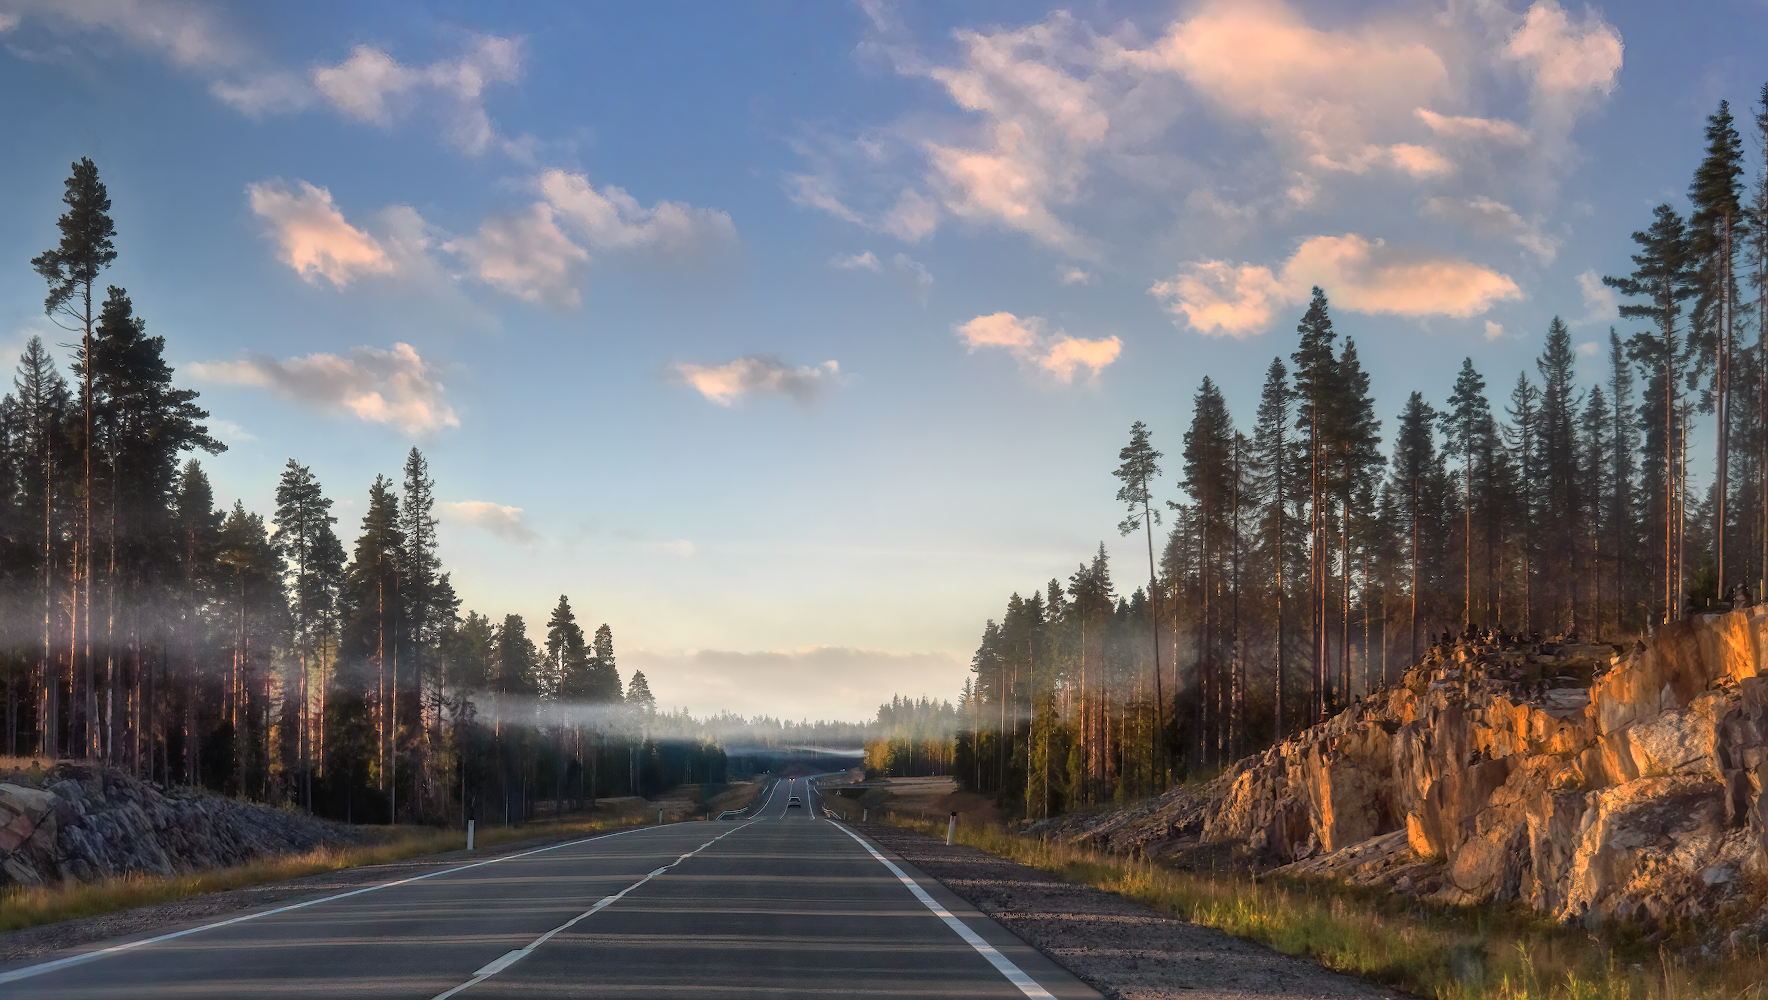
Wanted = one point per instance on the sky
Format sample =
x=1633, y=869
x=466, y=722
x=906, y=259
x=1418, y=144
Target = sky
x=790, y=339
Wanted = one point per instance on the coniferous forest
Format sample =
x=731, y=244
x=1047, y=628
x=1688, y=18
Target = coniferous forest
x=191, y=643
x=1320, y=549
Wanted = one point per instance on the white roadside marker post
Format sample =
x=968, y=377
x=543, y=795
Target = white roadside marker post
x=470, y=835
x=950, y=829
x=863, y=813
x=659, y=817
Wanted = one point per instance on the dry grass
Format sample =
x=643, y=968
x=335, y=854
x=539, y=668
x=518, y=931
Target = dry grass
x=1449, y=953
x=22, y=907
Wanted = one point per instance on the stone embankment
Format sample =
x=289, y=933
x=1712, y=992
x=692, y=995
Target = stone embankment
x=1587, y=783
x=79, y=822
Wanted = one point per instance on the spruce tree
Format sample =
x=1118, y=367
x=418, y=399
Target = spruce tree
x=1415, y=486
x=1558, y=513
x=1465, y=424
x=303, y=516
x=1209, y=479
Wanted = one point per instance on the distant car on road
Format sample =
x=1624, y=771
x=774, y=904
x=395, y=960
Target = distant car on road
x=793, y=803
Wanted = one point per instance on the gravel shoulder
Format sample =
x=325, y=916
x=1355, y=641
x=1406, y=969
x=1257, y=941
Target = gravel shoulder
x=1120, y=948
x=38, y=942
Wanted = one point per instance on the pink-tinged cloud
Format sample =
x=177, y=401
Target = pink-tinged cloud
x=1239, y=300
x=505, y=522
x=1069, y=354
x=1570, y=61
x=312, y=236
x=1058, y=355
x=394, y=387
x=1492, y=130
x=525, y=255
x=1002, y=329
x=611, y=219
x=760, y=374
x=1369, y=276
x=371, y=86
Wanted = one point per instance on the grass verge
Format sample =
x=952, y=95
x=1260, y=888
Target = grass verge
x=30, y=906
x=1442, y=952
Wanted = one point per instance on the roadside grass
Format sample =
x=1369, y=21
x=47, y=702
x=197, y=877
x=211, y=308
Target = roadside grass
x=30, y=906
x=1437, y=951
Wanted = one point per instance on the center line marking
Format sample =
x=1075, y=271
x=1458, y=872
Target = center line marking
x=1002, y=963
x=512, y=957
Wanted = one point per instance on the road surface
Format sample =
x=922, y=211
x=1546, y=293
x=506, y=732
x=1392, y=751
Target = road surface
x=786, y=904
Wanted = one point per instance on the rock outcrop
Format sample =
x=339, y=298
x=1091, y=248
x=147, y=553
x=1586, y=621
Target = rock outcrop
x=1585, y=782
x=79, y=822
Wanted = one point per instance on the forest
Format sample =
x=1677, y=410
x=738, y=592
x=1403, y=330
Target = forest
x=1309, y=561
x=146, y=627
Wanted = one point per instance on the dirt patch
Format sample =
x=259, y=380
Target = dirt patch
x=1120, y=948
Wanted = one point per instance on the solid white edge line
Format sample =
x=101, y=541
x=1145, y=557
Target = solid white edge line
x=511, y=958
x=1002, y=963
x=62, y=963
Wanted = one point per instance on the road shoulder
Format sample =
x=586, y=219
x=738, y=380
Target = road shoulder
x=1118, y=947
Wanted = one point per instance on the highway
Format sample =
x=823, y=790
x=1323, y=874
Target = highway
x=785, y=904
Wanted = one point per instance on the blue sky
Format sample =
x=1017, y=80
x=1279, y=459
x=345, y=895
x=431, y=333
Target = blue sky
x=788, y=339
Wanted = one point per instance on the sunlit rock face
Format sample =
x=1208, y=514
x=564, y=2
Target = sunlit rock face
x=1586, y=782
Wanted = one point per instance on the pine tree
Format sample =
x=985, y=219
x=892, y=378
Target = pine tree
x=1416, y=486
x=1716, y=228
x=1210, y=481
x=373, y=623
x=1356, y=442
x=303, y=517
x=1316, y=387
x=1269, y=474
x=638, y=694
x=1664, y=278
x=43, y=401
x=1140, y=466
x=85, y=250
x=1624, y=444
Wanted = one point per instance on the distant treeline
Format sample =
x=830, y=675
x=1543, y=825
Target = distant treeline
x=1306, y=566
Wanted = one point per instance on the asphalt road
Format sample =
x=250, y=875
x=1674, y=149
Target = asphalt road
x=786, y=904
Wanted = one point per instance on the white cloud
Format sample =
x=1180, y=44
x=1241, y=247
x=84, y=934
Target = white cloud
x=371, y=86
x=1360, y=275
x=1571, y=63
x=394, y=387
x=1282, y=108
x=507, y=523
x=187, y=34
x=758, y=374
x=525, y=255
x=1058, y=354
x=904, y=271
x=912, y=277
x=611, y=219
x=1069, y=275
x=1494, y=331
x=867, y=261
x=1492, y=130
x=230, y=432
x=1589, y=349
x=312, y=236
x=1599, y=300
x=1490, y=217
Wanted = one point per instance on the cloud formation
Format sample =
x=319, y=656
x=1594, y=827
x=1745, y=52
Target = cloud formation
x=905, y=272
x=373, y=87
x=726, y=384
x=507, y=523
x=1361, y=275
x=1057, y=355
x=524, y=254
x=312, y=236
x=395, y=387
x=611, y=219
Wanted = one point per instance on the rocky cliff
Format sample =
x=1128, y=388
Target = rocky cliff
x=1587, y=783
x=78, y=822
